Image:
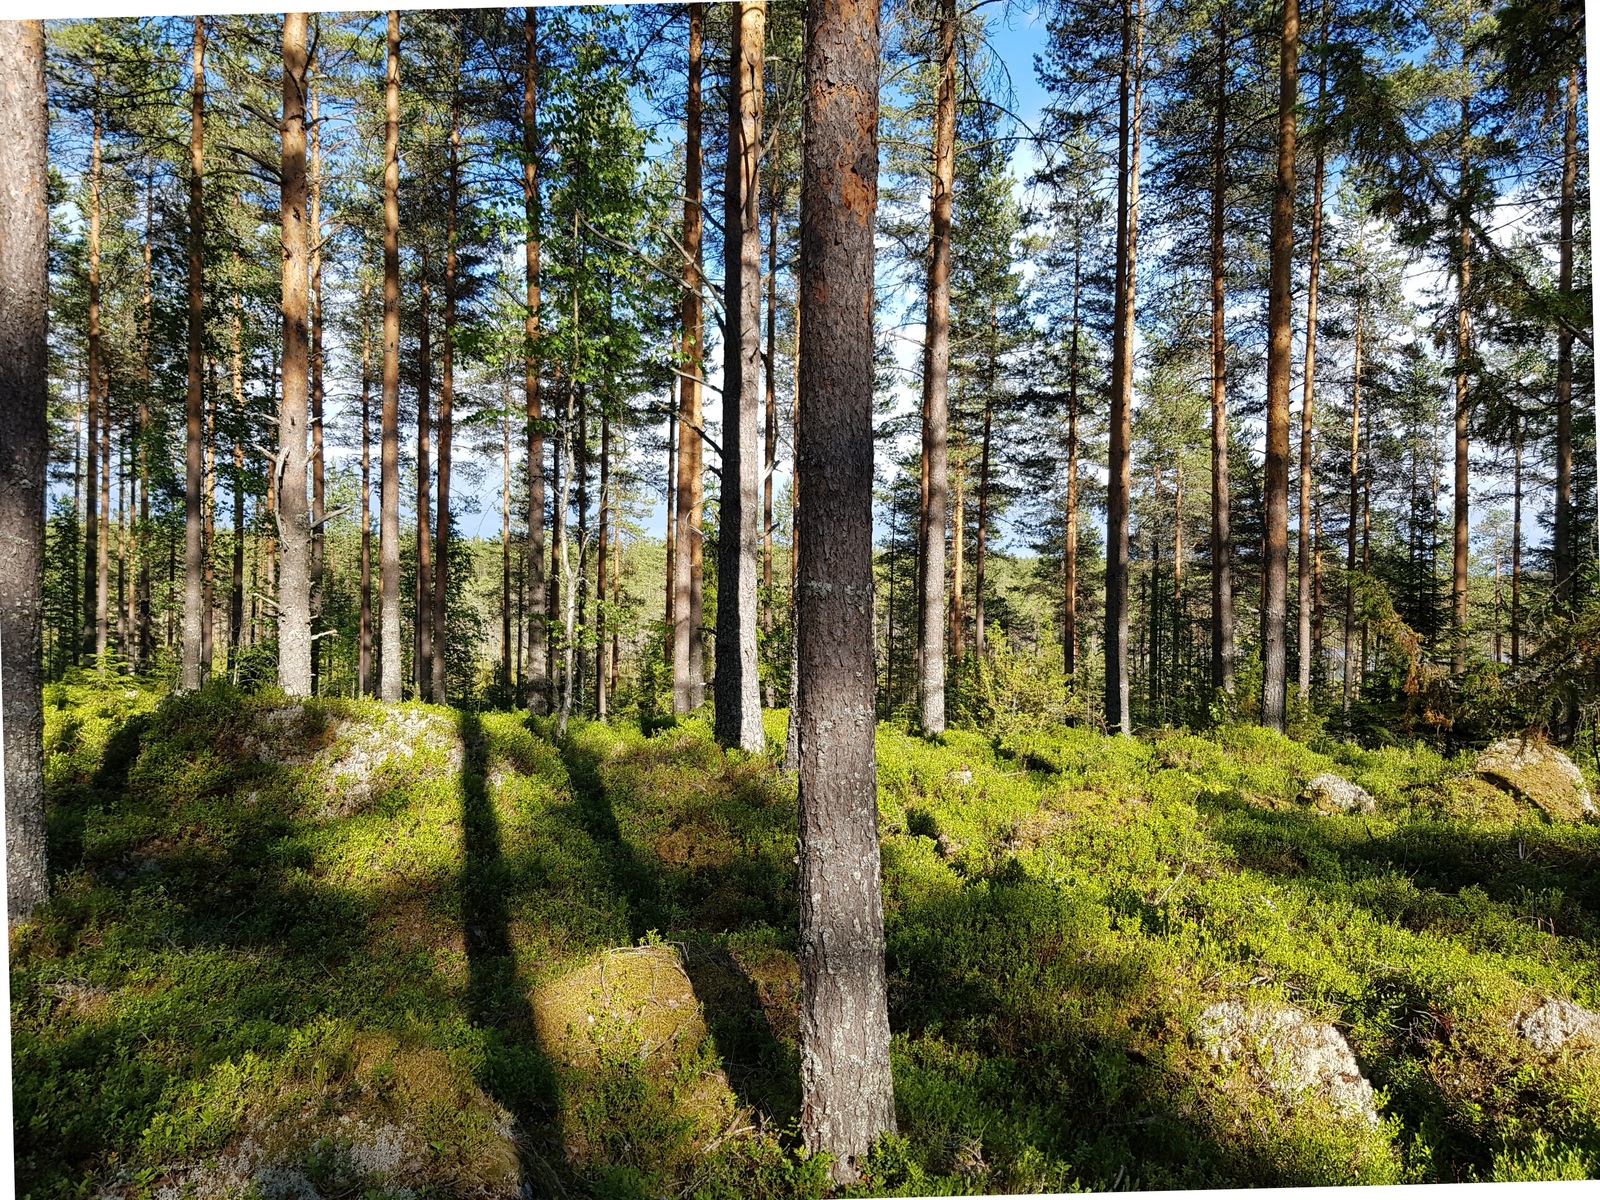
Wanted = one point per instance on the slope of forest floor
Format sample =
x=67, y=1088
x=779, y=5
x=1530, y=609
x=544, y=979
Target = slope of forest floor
x=304, y=949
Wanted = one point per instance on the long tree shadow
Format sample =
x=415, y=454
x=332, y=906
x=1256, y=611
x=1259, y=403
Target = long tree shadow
x=761, y=1071
x=516, y=1072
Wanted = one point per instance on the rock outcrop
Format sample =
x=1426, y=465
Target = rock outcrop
x=1533, y=768
x=1288, y=1054
x=1556, y=1022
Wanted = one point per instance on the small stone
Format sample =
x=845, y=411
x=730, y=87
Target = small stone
x=963, y=776
x=1532, y=767
x=1556, y=1022
x=1289, y=1054
x=1330, y=793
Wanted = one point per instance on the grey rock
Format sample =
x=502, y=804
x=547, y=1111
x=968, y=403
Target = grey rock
x=1289, y=1054
x=1333, y=793
x=1556, y=1022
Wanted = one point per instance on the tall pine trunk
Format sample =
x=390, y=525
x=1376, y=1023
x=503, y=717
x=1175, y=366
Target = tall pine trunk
x=194, y=406
x=447, y=393
x=1350, y=676
x=737, y=682
x=1280, y=336
x=318, y=478
x=1463, y=352
x=847, y=1092
x=96, y=394
x=1118, y=716
x=770, y=456
x=935, y=388
x=1308, y=395
x=688, y=685
x=1222, y=647
x=24, y=455
x=602, y=534
x=537, y=693
x=236, y=485
x=364, y=620
x=1069, y=582
x=1565, y=551
x=294, y=530
x=422, y=631
x=389, y=669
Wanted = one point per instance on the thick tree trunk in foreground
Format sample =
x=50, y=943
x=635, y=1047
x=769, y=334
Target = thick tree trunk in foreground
x=1280, y=334
x=389, y=671
x=688, y=679
x=737, y=684
x=194, y=405
x=847, y=1094
x=294, y=526
x=24, y=451
x=537, y=695
x=935, y=387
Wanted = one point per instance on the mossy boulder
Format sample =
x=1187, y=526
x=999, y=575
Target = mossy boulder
x=642, y=1084
x=1531, y=767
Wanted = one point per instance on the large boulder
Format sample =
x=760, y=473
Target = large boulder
x=1332, y=793
x=1532, y=767
x=1556, y=1022
x=628, y=1026
x=1288, y=1054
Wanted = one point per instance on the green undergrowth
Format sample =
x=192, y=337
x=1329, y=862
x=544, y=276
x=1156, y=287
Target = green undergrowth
x=302, y=945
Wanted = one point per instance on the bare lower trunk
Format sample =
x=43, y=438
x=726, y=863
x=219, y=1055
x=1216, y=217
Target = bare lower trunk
x=1118, y=716
x=318, y=476
x=737, y=685
x=1350, y=676
x=447, y=392
x=294, y=527
x=389, y=668
x=536, y=692
x=603, y=534
x=1463, y=351
x=935, y=387
x=1307, y=410
x=1566, y=559
x=364, y=633
x=688, y=678
x=1280, y=333
x=847, y=1096
x=24, y=455
x=1222, y=648
x=96, y=396
x=422, y=633
x=194, y=412
x=1069, y=558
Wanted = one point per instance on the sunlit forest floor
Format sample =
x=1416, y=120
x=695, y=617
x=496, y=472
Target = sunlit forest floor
x=340, y=950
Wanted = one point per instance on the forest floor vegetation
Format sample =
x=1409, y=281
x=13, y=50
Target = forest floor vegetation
x=424, y=951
